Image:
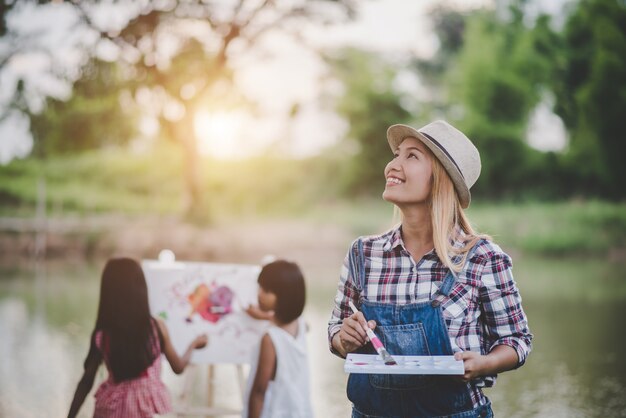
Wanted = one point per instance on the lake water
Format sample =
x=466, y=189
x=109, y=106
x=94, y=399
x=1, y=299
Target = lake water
x=576, y=308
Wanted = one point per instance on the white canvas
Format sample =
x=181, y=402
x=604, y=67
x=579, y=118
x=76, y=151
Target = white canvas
x=194, y=298
x=433, y=365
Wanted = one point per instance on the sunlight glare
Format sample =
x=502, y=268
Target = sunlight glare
x=218, y=133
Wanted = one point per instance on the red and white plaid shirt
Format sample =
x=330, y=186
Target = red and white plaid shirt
x=482, y=310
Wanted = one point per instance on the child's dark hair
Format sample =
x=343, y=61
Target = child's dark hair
x=129, y=332
x=285, y=280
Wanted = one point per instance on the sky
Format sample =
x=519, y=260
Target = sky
x=398, y=29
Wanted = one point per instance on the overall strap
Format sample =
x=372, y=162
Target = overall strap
x=361, y=265
x=451, y=277
x=357, y=266
x=448, y=282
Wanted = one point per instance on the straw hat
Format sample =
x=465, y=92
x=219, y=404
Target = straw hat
x=452, y=148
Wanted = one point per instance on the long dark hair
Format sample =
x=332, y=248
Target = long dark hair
x=285, y=280
x=129, y=333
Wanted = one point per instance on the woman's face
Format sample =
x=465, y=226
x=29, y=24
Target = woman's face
x=409, y=174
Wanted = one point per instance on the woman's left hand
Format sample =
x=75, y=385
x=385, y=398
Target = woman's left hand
x=475, y=364
x=500, y=359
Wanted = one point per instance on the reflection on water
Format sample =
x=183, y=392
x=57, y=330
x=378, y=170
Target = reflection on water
x=575, y=308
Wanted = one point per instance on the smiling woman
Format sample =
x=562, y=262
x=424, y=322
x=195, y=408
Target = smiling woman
x=218, y=132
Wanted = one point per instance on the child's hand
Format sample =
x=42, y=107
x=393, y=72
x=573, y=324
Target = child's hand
x=201, y=341
x=256, y=313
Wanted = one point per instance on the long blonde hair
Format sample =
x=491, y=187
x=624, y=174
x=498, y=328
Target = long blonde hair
x=449, y=221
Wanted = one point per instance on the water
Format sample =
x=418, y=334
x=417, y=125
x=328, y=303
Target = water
x=576, y=309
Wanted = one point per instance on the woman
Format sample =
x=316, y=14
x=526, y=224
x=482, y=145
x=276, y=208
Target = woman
x=430, y=286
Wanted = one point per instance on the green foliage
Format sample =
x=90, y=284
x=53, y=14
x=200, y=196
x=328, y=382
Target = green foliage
x=260, y=188
x=498, y=79
x=591, y=95
x=546, y=229
x=91, y=118
x=562, y=228
x=95, y=181
x=370, y=106
x=118, y=181
x=449, y=25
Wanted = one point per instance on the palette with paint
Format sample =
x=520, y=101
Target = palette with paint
x=433, y=365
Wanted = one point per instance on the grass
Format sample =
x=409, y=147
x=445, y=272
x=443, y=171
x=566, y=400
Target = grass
x=136, y=185
x=542, y=228
x=555, y=229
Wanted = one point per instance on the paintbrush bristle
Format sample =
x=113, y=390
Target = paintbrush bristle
x=389, y=361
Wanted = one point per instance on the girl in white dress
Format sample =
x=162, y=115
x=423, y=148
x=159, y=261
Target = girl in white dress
x=278, y=385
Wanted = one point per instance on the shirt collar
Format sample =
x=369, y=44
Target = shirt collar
x=458, y=240
x=395, y=239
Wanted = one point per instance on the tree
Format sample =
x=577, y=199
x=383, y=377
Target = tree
x=199, y=71
x=496, y=80
x=31, y=70
x=180, y=53
x=93, y=117
x=591, y=95
x=370, y=105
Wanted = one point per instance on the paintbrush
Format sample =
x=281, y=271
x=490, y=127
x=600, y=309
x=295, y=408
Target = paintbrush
x=378, y=345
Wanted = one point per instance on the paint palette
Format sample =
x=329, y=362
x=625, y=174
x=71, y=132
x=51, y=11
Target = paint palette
x=373, y=364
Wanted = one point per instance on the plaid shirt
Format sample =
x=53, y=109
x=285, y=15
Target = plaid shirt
x=483, y=309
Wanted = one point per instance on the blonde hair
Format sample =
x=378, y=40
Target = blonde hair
x=449, y=221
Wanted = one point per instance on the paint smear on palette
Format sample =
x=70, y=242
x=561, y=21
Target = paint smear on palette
x=417, y=365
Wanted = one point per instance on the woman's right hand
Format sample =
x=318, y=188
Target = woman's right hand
x=352, y=334
x=200, y=342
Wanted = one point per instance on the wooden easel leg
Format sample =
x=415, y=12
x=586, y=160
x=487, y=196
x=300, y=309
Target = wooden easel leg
x=210, y=388
x=185, y=407
x=185, y=395
x=242, y=384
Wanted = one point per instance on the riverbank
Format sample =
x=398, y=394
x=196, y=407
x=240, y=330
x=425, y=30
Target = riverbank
x=548, y=229
x=103, y=236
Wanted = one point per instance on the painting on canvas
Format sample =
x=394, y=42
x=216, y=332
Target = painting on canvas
x=194, y=298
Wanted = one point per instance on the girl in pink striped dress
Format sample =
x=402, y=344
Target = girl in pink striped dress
x=130, y=342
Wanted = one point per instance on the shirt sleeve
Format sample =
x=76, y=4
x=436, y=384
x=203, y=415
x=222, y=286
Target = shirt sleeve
x=504, y=318
x=346, y=291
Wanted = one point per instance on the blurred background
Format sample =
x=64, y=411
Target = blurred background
x=230, y=130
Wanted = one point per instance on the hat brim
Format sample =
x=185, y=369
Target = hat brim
x=398, y=133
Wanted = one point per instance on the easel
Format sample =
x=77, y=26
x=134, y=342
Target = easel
x=184, y=408
x=167, y=268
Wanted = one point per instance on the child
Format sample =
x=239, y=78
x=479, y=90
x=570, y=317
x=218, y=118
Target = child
x=278, y=384
x=130, y=342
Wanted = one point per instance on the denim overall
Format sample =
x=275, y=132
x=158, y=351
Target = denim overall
x=411, y=329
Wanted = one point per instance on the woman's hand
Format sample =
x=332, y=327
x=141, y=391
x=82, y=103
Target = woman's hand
x=200, y=342
x=475, y=364
x=352, y=334
x=500, y=359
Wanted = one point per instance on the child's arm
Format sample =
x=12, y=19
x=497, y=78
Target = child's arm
x=266, y=371
x=179, y=363
x=255, y=312
x=86, y=382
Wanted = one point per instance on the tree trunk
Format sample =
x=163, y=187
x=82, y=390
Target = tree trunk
x=193, y=203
